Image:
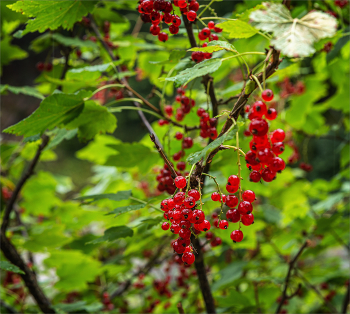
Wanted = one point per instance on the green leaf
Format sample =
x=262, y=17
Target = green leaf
x=79, y=307
x=73, y=42
x=26, y=90
x=294, y=37
x=200, y=69
x=131, y=155
x=113, y=234
x=61, y=135
x=238, y=29
x=54, y=110
x=94, y=68
x=94, y=119
x=229, y=274
x=52, y=14
x=10, y=52
x=215, y=45
x=174, y=57
x=125, y=209
x=119, y=196
x=5, y=265
x=197, y=156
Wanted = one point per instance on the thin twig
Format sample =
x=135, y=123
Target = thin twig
x=346, y=301
x=9, y=309
x=286, y=281
x=166, y=160
x=180, y=308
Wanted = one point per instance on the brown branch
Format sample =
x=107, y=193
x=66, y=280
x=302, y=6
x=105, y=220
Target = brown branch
x=287, y=279
x=166, y=160
x=225, y=102
x=145, y=270
x=25, y=176
x=180, y=308
x=346, y=301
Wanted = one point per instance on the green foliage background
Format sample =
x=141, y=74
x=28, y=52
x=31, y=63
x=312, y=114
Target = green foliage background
x=92, y=245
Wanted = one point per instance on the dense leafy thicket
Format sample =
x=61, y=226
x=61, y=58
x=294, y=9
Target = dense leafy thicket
x=82, y=182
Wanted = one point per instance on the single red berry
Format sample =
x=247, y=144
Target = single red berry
x=197, y=56
x=233, y=180
x=271, y=114
x=185, y=224
x=236, y=236
x=259, y=109
x=175, y=228
x=194, y=6
x=187, y=214
x=232, y=188
x=245, y=208
x=195, y=194
x=278, y=136
x=168, y=7
x=278, y=148
x=167, y=18
x=180, y=182
x=247, y=220
x=185, y=233
x=165, y=226
x=176, y=20
x=231, y=201
x=48, y=67
x=211, y=25
x=248, y=196
x=267, y=95
x=188, y=258
x=170, y=203
x=214, y=215
x=250, y=158
x=277, y=164
x=206, y=32
x=213, y=37
x=190, y=202
x=233, y=215
x=198, y=216
x=255, y=176
x=187, y=143
x=169, y=110
x=223, y=224
x=178, y=247
x=181, y=165
x=164, y=205
x=268, y=175
x=217, y=29
x=205, y=225
x=191, y=15
x=173, y=29
x=258, y=127
x=182, y=3
x=179, y=135
x=209, y=235
x=147, y=6
x=216, y=197
x=163, y=37
x=179, y=198
x=40, y=66
x=154, y=30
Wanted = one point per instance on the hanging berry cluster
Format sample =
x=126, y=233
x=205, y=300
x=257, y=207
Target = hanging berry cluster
x=151, y=12
x=265, y=147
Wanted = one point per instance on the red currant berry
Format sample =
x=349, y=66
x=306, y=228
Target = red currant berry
x=278, y=136
x=233, y=215
x=187, y=214
x=213, y=37
x=179, y=198
x=217, y=29
x=247, y=220
x=205, y=225
x=231, y=201
x=185, y=224
x=154, y=30
x=198, y=216
x=268, y=175
x=179, y=135
x=173, y=29
x=182, y=4
x=197, y=56
x=180, y=182
x=181, y=165
x=176, y=20
x=48, y=67
x=271, y=114
x=209, y=235
x=171, y=203
x=187, y=143
x=245, y=208
x=185, y=233
x=258, y=127
x=231, y=188
x=216, y=197
x=195, y=194
x=206, y=32
x=211, y=25
x=248, y=196
x=165, y=226
x=163, y=37
x=191, y=15
x=175, y=228
x=233, y=180
x=147, y=6
x=188, y=258
x=164, y=205
x=168, y=110
x=190, y=202
x=236, y=236
x=178, y=248
x=277, y=164
x=223, y=224
x=278, y=148
x=214, y=215
x=255, y=176
x=194, y=6
x=267, y=95
x=250, y=158
x=259, y=109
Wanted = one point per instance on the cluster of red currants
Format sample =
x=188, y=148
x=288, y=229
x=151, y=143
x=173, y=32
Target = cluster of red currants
x=207, y=124
x=41, y=66
x=288, y=88
x=205, y=33
x=108, y=305
x=12, y=282
x=341, y=3
x=150, y=11
x=184, y=219
x=265, y=147
x=242, y=214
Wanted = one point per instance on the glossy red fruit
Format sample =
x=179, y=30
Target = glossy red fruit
x=278, y=148
x=168, y=110
x=155, y=17
x=267, y=95
x=213, y=37
x=187, y=143
x=231, y=201
x=250, y=158
x=195, y=194
x=247, y=220
x=248, y=196
x=185, y=224
x=223, y=224
x=179, y=135
x=278, y=136
x=187, y=214
x=179, y=198
x=236, y=235
x=147, y=6
x=271, y=114
x=164, y=205
x=205, y=225
x=48, y=67
x=215, y=197
x=168, y=7
x=245, y=208
x=232, y=188
x=211, y=25
x=178, y=247
x=190, y=202
x=194, y=6
x=277, y=164
x=209, y=235
x=176, y=20
x=188, y=258
x=184, y=233
x=255, y=176
x=182, y=4
x=198, y=216
x=154, y=30
x=206, y=32
x=268, y=175
x=197, y=56
x=259, y=109
x=258, y=127
x=167, y=18
x=165, y=226
x=175, y=228
x=173, y=29
x=181, y=166
x=180, y=182
x=191, y=15
x=163, y=37
x=170, y=203
x=40, y=66
x=233, y=180
x=233, y=215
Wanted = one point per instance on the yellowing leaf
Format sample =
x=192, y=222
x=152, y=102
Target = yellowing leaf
x=294, y=37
